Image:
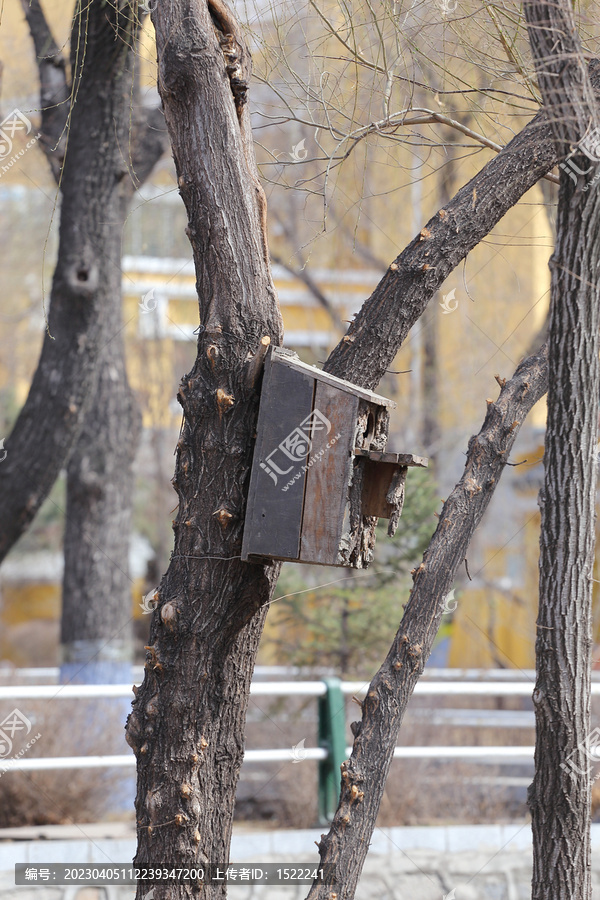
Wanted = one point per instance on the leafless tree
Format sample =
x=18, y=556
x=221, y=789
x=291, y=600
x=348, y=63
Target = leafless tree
x=80, y=411
x=561, y=792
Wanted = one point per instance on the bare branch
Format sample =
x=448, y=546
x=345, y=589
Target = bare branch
x=400, y=298
x=149, y=142
x=364, y=774
x=391, y=124
x=306, y=278
x=512, y=53
x=55, y=90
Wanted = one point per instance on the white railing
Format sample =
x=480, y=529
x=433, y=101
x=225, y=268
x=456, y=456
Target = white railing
x=430, y=673
x=277, y=688
x=471, y=684
x=489, y=755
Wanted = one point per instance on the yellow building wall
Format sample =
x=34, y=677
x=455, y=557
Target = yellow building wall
x=24, y=601
x=492, y=629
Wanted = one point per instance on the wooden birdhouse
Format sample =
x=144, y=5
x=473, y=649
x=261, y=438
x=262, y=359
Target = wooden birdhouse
x=321, y=476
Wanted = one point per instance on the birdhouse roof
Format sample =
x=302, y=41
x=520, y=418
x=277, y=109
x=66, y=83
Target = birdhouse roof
x=291, y=359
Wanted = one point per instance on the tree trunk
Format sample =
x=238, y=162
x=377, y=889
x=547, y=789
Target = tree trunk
x=364, y=775
x=96, y=617
x=96, y=624
x=560, y=795
x=96, y=610
x=94, y=180
x=187, y=723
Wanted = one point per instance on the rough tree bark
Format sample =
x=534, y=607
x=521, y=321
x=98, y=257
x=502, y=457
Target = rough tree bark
x=96, y=610
x=187, y=722
x=187, y=725
x=96, y=622
x=364, y=775
x=560, y=795
x=96, y=597
x=94, y=173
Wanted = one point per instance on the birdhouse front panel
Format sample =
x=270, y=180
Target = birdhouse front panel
x=283, y=440
x=328, y=477
x=320, y=477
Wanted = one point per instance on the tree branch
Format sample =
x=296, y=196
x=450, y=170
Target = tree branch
x=306, y=278
x=364, y=774
x=149, y=142
x=55, y=90
x=402, y=295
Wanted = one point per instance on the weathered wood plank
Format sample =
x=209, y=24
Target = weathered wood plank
x=274, y=514
x=328, y=476
x=402, y=459
x=293, y=362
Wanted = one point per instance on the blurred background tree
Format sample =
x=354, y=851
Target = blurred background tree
x=344, y=625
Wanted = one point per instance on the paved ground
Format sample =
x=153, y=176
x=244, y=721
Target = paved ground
x=474, y=862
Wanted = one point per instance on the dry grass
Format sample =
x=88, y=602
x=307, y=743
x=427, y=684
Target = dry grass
x=52, y=797
x=418, y=792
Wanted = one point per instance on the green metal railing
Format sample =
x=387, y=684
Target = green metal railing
x=332, y=738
